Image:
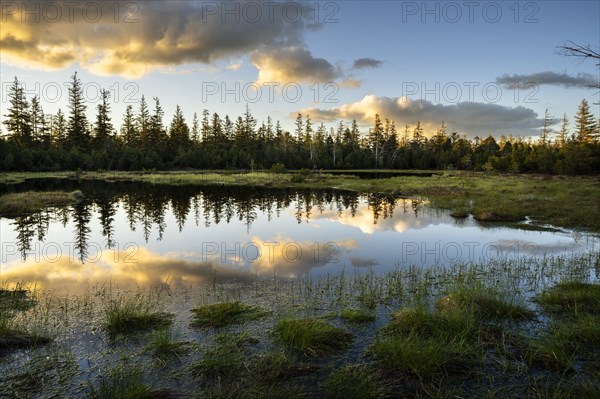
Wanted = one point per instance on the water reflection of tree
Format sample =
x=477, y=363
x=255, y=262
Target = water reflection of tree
x=147, y=205
x=82, y=215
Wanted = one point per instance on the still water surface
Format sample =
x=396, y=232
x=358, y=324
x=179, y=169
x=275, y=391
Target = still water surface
x=136, y=234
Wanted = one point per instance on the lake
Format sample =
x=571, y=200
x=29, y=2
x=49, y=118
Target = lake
x=137, y=234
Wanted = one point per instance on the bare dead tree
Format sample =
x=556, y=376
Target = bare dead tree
x=571, y=49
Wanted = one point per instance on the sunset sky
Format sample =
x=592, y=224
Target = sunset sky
x=408, y=61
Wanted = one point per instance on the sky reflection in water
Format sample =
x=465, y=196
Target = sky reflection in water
x=139, y=235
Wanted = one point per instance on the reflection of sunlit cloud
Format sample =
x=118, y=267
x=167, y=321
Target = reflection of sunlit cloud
x=363, y=262
x=291, y=258
x=125, y=269
x=363, y=219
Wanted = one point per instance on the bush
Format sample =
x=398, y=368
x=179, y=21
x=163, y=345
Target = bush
x=278, y=168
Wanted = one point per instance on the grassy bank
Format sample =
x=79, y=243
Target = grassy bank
x=18, y=204
x=558, y=200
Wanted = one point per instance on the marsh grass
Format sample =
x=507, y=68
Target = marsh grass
x=18, y=204
x=125, y=382
x=48, y=373
x=130, y=315
x=357, y=382
x=272, y=367
x=164, y=346
x=223, y=314
x=428, y=344
x=485, y=304
x=312, y=337
x=549, y=352
x=357, y=316
x=14, y=332
x=570, y=298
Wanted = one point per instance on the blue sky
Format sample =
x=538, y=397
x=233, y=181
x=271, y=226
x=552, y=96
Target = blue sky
x=186, y=53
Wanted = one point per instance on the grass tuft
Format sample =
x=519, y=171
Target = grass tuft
x=356, y=382
x=357, y=316
x=127, y=316
x=484, y=304
x=312, y=337
x=571, y=298
x=223, y=314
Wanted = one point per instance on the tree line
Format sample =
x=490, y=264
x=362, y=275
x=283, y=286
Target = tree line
x=69, y=141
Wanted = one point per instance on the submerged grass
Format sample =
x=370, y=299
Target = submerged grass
x=131, y=315
x=456, y=331
x=18, y=204
x=223, y=314
x=312, y=337
x=125, y=382
x=357, y=316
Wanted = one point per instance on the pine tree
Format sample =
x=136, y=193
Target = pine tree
x=546, y=129
x=104, y=129
x=143, y=121
x=585, y=123
x=179, y=131
x=37, y=120
x=564, y=131
x=375, y=139
x=59, y=128
x=129, y=131
x=18, y=120
x=77, y=131
x=195, y=128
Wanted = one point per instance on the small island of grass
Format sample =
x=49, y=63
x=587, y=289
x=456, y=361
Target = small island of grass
x=18, y=204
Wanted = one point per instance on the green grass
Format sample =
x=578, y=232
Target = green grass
x=582, y=330
x=272, y=367
x=18, y=204
x=125, y=382
x=548, y=199
x=357, y=316
x=485, y=304
x=571, y=298
x=131, y=315
x=425, y=344
x=221, y=362
x=549, y=352
x=312, y=337
x=356, y=382
x=164, y=347
x=223, y=314
x=424, y=357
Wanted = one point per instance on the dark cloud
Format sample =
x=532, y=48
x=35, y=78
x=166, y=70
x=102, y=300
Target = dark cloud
x=471, y=118
x=548, y=78
x=362, y=63
x=144, y=36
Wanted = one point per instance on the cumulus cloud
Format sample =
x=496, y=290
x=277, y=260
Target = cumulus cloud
x=471, y=118
x=363, y=63
x=293, y=64
x=548, y=78
x=135, y=38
